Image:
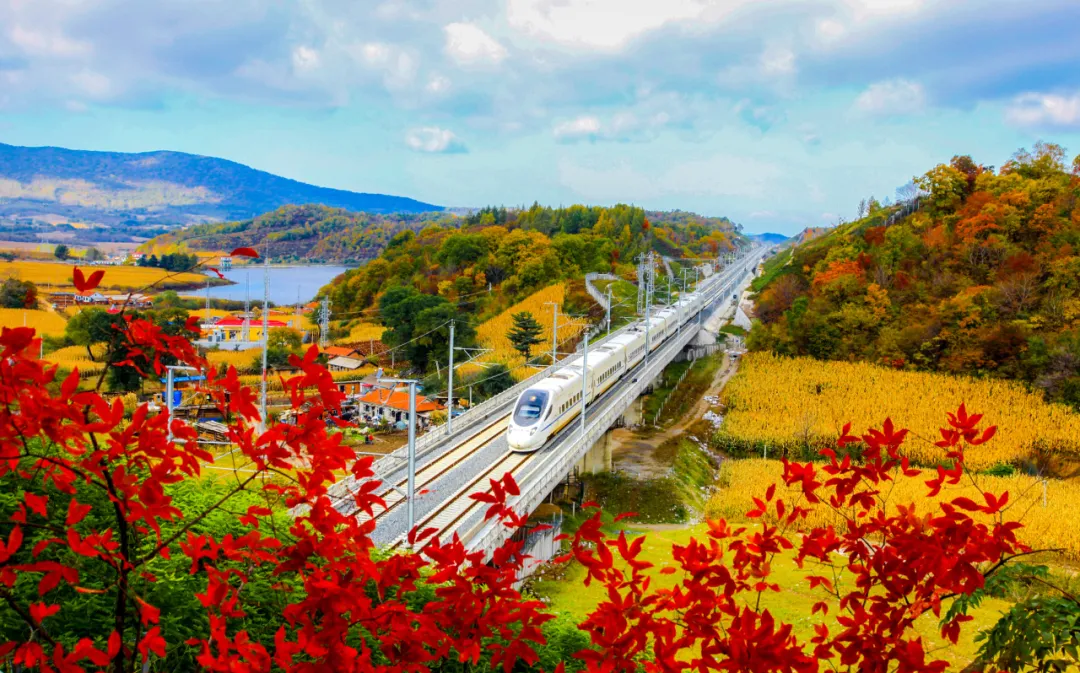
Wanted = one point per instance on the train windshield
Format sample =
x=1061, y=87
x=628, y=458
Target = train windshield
x=529, y=407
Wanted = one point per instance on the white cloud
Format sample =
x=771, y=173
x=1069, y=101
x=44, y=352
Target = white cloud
x=92, y=83
x=397, y=65
x=438, y=84
x=305, y=59
x=375, y=53
x=606, y=24
x=892, y=97
x=580, y=128
x=778, y=61
x=623, y=126
x=1045, y=109
x=468, y=43
x=829, y=31
x=41, y=42
x=434, y=140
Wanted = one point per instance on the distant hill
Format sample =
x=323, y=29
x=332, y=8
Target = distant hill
x=768, y=238
x=52, y=184
x=309, y=233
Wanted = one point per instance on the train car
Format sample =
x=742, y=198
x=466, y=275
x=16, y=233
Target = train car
x=633, y=348
x=656, y=332
x=549, y=406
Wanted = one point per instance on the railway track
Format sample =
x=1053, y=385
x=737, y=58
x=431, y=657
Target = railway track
x=460, y=506
x=433, y=471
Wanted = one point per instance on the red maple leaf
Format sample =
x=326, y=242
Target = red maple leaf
x=83, y=284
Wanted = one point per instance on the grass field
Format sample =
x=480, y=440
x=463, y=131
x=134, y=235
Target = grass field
x=59, y=276
x=45, y=322
x=800, y=404
x=793, y=605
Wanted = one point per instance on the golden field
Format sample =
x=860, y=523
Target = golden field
x=1044, y=527
x=788, y=402
x=45, y=322
x=76, y=357
x=365, y=331
x=59, y=276
x=492, y=333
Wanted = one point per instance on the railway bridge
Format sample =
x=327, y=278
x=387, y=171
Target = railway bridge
x=451, y=466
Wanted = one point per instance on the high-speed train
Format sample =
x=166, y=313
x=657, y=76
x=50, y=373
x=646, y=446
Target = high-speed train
x=551, y=404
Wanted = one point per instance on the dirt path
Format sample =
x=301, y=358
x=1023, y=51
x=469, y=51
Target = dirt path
x=633, y=451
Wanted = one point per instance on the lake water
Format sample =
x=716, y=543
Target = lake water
x=285, y=283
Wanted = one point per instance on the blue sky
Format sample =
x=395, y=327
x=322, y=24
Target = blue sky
x=780, y=114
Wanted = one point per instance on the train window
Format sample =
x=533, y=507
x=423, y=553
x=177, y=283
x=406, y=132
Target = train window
x=530, y=407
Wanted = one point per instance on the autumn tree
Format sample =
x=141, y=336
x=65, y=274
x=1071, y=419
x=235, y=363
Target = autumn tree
x=61, y=251
x=15, y=293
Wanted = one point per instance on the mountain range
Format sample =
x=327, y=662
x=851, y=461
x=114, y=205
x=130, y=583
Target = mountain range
x=56, y=185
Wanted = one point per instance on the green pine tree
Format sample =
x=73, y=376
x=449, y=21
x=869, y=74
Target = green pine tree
x=525, y=333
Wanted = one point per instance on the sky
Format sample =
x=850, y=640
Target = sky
x=779, y=114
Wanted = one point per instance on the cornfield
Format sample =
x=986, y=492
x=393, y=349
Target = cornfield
x=116, y=277
x=776, y=404
x=43, y=321
x=1044, y=527
x=364, y=331
x=242, y=360
x=492, y=333
x=76, y=356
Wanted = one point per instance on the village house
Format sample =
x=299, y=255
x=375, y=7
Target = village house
x=359, y=387
x=393, y=406
x=343, y=358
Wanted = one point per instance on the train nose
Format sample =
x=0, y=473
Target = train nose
x=520, y=438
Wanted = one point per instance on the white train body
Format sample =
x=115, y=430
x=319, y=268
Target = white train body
x=547, y=407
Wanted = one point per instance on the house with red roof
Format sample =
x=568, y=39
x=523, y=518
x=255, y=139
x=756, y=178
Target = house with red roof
x=393, y=406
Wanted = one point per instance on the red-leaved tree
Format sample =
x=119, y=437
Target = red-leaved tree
x=94, y=488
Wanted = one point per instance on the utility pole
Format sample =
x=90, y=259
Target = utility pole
x=265, y=335
x=648, y=304
x=450, y=385
x=207, y=299
x=410, y=492
x=246, y=332
x=609, y=309
x=324, y=324
x=554, y=330
x=412, y=454
x=584, y=378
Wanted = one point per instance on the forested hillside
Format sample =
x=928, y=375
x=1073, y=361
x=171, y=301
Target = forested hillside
x=981, y=278
x=515, y=253
x=310, y=232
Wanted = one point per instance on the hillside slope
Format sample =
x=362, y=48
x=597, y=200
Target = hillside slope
x=983, y=278
x=309, y=233
x=163, y=187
